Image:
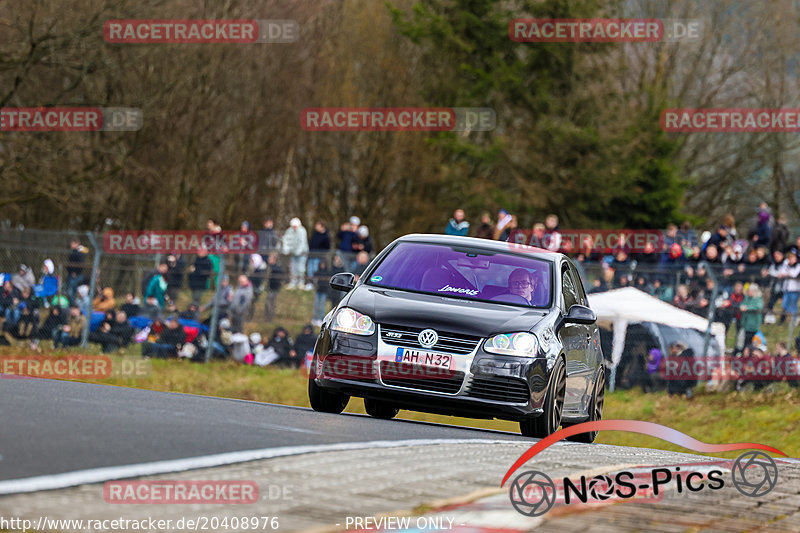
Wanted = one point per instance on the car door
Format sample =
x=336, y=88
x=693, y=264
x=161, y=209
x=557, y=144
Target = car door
x=575, y=338
x=592, y=355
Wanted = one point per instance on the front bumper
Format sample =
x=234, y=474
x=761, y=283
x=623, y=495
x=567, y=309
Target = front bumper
x=482, y=385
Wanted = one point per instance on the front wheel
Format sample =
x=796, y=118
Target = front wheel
x=596, y=409
x=379, y=409
x=326, y=401
x=547, y=423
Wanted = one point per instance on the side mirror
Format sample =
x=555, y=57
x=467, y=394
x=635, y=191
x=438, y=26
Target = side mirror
x=343, y=281
x=580, y=314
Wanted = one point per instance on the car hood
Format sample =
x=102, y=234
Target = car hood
x=469, y=317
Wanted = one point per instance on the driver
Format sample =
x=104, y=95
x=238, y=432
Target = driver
x=520, y=283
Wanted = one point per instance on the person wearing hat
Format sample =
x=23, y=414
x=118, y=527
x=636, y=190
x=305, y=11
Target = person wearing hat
x=295, y=244
x=503, y=219
x=24, y=278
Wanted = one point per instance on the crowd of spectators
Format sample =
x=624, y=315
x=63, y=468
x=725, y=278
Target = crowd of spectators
x=733, y=278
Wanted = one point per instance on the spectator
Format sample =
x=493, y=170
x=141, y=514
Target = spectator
x=176, y=267
x=775, y=272
x=730, y=224
x=728, y=312
x=267, y=238
x=239, y=262
x=283, y=346
x=131, y=305
x=199, y=273
x=362, y=261
x=457, y=225
x=678, y=349
x=295, y=245
x=552, y=237
x=191, y=312
x=169, y=343
x=780, y=235
x=75, y=260
x=55, y=319
x=363, y=242
x=503, y=220
x=347, y=235
x=104, y=301
x=157, y=287
x=661, y=291
x=622, y=268
x=319, y=244
x=333, y=295
x=274, y=281
x=716, y=240
x=7, y=296
x=670, y=237
x=240, y=306
x=82, y=299
x=122, y=329
x=23, y=279
x=107, y=334
x=304, y=343
x=70, y=333
x=687, y=236
x=321, y=289
x=22, y=318
x=761, y=234
x=151, y=308
x=223, y=296
x=790, y=273
x=682, y=299
x=509, y=228
x=486, y=229
x=751, y=307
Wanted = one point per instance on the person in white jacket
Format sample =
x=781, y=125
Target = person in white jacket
x=295, y=244
x=790, y=273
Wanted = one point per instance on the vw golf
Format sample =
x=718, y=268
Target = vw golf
x=467, y=327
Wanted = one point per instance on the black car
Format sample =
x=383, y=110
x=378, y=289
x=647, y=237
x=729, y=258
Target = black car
x=466, y=327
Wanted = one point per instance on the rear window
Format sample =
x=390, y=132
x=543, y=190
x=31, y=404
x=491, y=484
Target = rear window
x=465, y=272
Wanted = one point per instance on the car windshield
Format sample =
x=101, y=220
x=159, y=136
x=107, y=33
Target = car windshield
x=465, y=272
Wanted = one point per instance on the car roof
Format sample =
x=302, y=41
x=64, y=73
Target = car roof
x=499, y=246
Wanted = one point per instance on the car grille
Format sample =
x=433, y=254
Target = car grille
x=502, y=389
x=448, y=342
x=447, y=385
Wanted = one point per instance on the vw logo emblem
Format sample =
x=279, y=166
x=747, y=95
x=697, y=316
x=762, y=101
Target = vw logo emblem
x=427, y=338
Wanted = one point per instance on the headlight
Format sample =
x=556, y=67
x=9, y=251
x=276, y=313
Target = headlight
x=350, y=321
x=522, y=344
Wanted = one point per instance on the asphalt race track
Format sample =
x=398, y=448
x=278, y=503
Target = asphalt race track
x=51, y=427
x=61, y=441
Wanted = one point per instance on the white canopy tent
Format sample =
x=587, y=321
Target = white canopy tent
x=617, y=308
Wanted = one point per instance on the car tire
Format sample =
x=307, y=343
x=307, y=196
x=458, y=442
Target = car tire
x=547, y=423
x=598, y=401
x=326, y=401
x=379, y=409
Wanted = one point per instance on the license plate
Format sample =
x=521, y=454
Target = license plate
x=423, y=358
